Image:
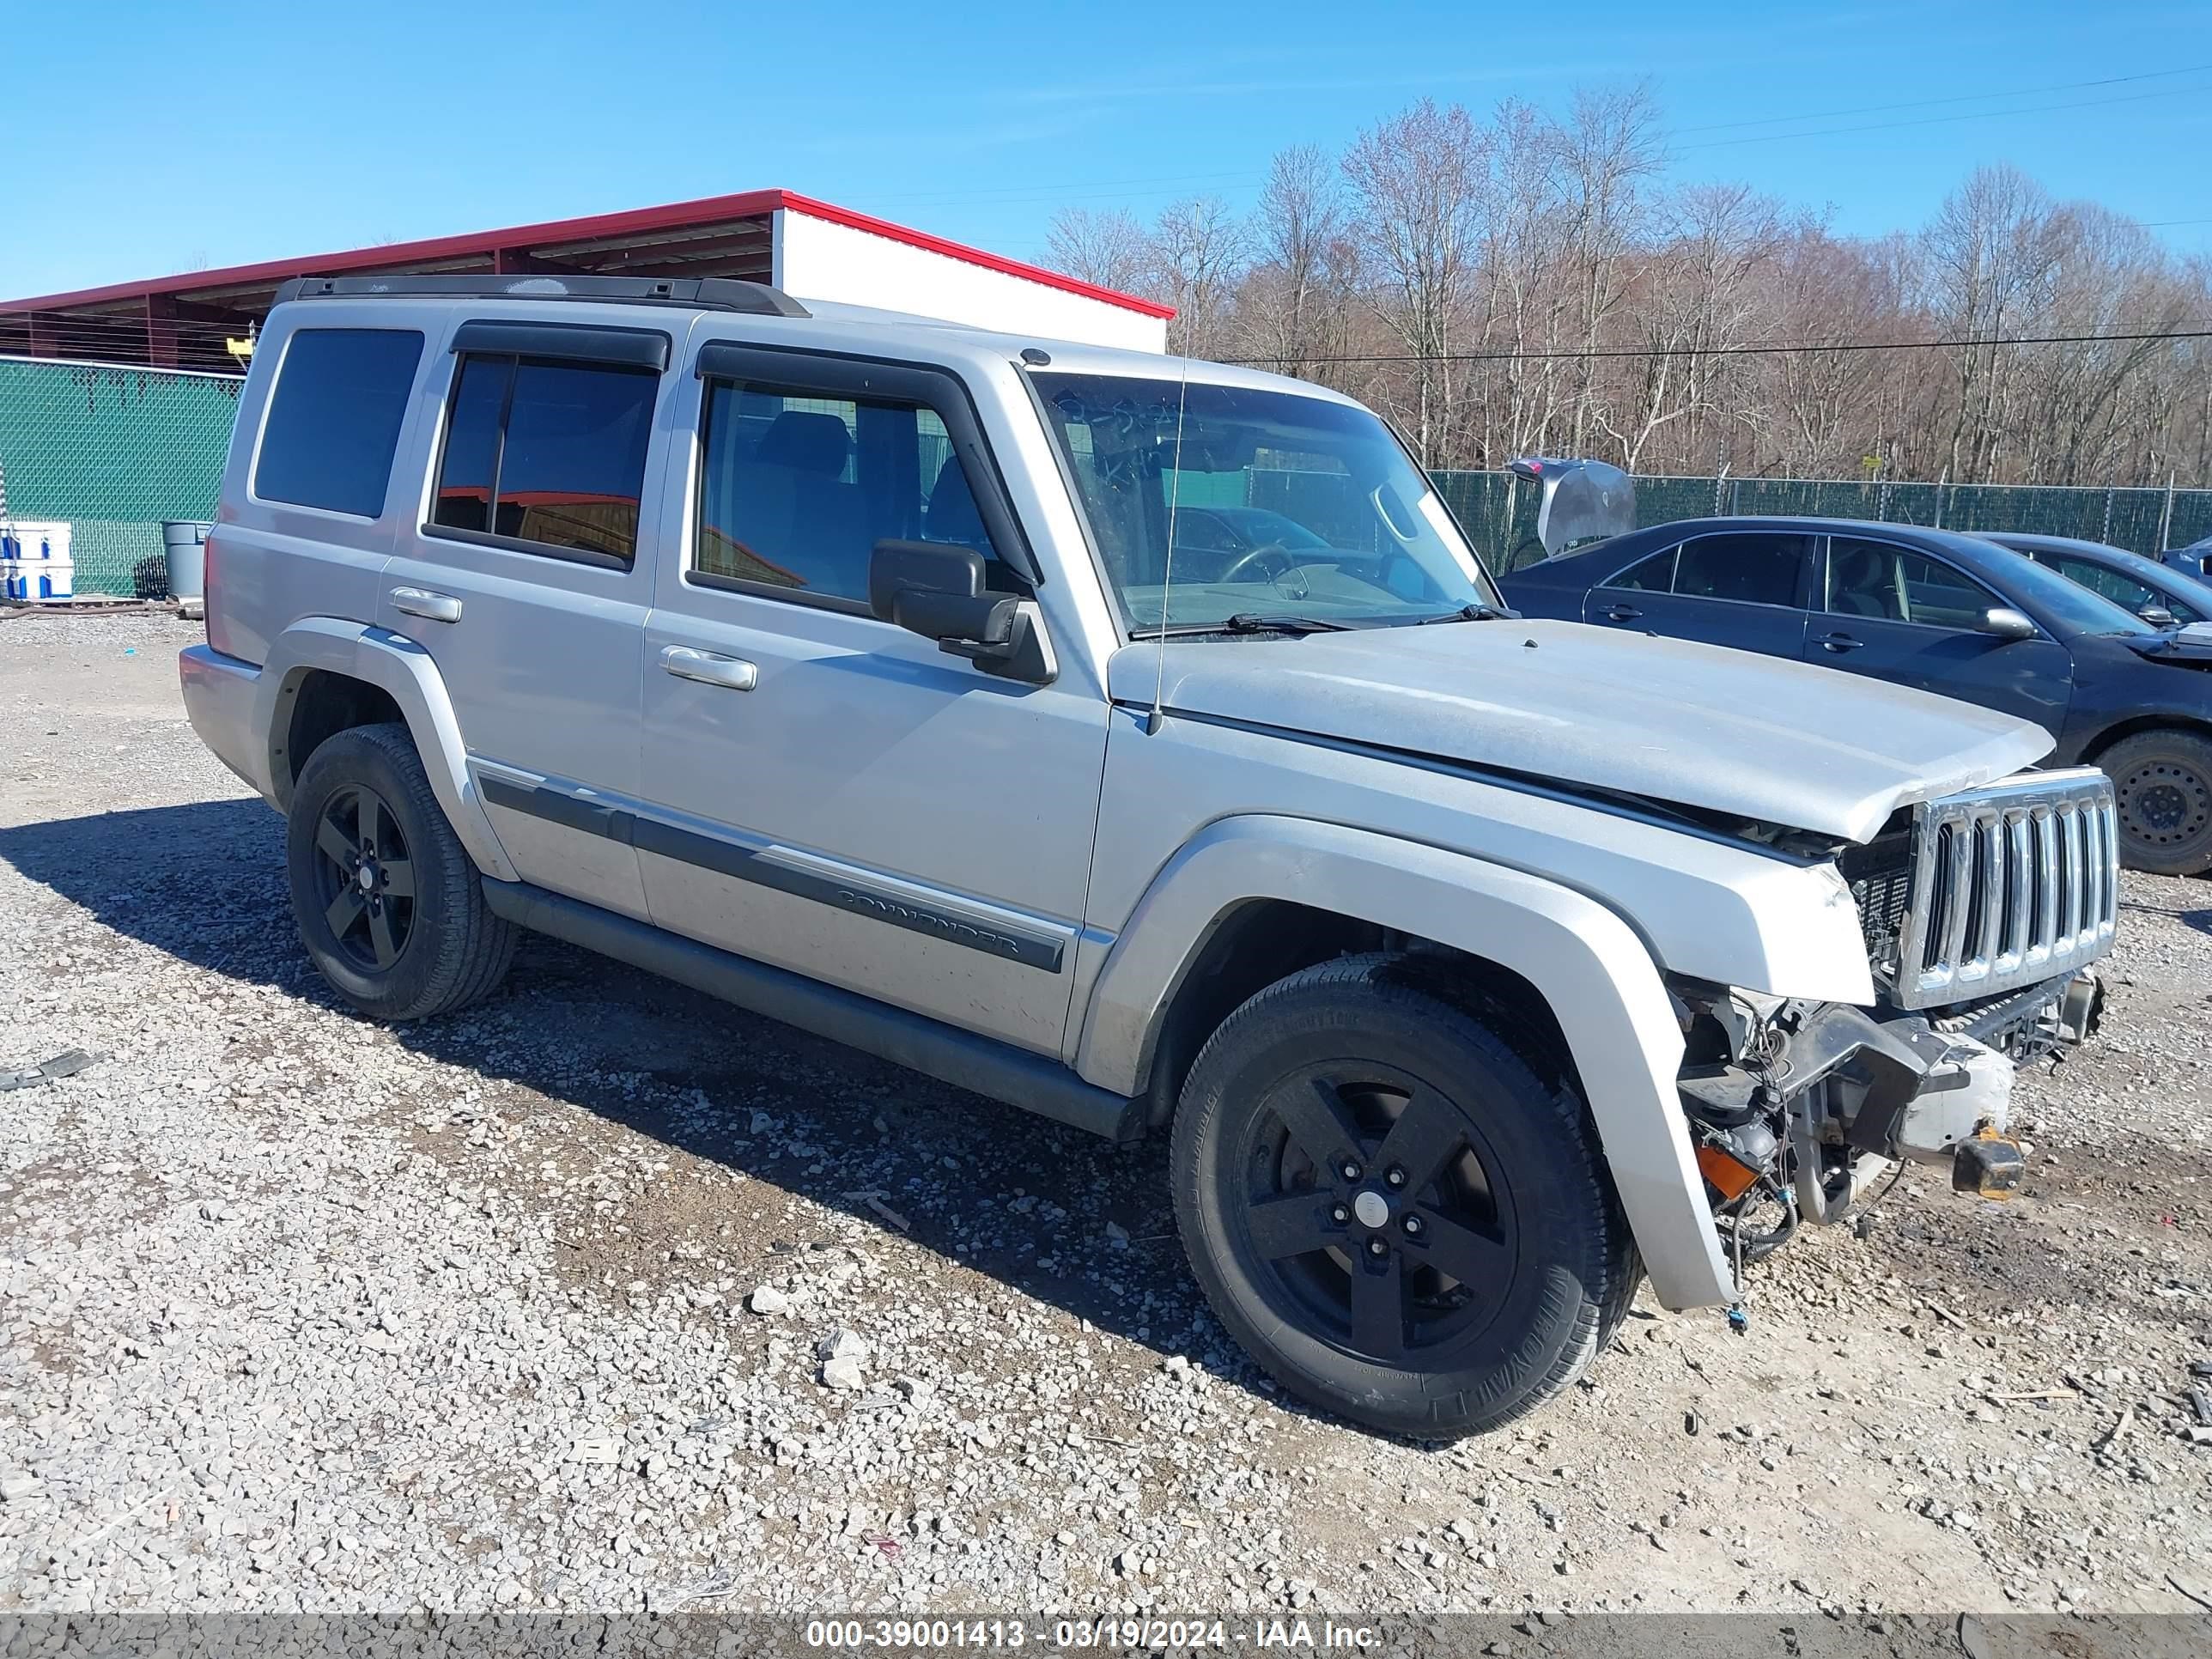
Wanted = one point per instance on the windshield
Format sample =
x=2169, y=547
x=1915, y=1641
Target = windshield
x=2172, y=589
x=2071, y=605
x=1283, y=505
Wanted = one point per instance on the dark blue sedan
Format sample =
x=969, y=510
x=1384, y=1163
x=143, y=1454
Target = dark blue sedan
x=2157, y=592
x=1955, y=614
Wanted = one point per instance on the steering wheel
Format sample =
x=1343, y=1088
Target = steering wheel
x=1252, y=555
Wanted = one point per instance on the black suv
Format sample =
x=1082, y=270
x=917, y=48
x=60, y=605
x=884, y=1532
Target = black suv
x=1947, y=613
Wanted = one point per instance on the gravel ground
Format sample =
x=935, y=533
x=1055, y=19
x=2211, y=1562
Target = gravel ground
x=530, y=1307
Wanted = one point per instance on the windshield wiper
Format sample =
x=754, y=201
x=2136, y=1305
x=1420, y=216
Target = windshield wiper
x=1476, y=611
x=1244, y=621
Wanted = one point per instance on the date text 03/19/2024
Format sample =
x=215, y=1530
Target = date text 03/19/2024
x=1107, y=1634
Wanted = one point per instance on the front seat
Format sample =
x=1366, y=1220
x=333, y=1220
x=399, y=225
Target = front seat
x=951, y=515
x=823, y=536
x=1854, y=589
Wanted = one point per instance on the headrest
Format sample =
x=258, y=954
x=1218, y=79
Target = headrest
x=805, y=441
x=953, y=513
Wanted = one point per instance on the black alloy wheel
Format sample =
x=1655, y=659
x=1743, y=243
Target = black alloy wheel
x=364, y=877
x=1370, y=1206
x=389, y=903
x=1393, y=1198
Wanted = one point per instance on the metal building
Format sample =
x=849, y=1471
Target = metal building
x=116, y=403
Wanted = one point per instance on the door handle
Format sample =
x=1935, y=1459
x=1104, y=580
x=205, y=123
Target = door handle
x=1622, y=613
x=734, y=673
x=1840, y=643
x=421, y=602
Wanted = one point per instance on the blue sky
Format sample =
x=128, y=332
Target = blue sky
x=166, y=137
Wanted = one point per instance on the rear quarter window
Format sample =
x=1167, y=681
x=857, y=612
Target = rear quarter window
x=334, y=418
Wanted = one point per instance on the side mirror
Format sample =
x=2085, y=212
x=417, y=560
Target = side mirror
x=2157, y=616
x=896, y=568
x=2007, y=623
x=937, y=590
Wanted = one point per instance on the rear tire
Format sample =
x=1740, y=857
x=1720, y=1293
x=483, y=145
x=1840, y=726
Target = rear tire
x=1473, y=1260
x=387, y=900
x=2163, y=783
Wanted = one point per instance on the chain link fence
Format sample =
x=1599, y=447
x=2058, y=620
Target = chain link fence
x=1499, y=510
x=113, y=453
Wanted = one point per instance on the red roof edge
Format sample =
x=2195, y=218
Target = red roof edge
x=745, y=204
x=974, y=256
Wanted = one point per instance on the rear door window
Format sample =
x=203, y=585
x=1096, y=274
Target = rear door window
x=1750, y=568
x=549, y=456
x=1653, y=575
x=334, y=418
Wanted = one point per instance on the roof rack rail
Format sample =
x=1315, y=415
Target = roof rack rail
x=707, y=293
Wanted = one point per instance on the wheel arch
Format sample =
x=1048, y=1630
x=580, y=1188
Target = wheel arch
x=314, y=705
x=1255, y=898
x=2136, y=725
x=324, y=674
x=1256, y=941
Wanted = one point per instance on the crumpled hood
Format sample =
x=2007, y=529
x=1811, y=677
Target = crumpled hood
x=1784, y=743
x=2187, y=647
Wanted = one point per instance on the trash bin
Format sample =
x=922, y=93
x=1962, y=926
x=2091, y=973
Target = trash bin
x=184, y=544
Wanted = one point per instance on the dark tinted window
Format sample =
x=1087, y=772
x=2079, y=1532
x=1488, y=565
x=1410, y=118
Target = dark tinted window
x=463, y=497
x=2119, y=589
x=1881, y=580
x=1654, y=575
x=334, y=419
x=551, y=454
x=797, y=490
x=1204, y=532
x=1751, y=567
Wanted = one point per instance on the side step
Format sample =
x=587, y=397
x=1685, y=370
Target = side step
x=1033, y=1082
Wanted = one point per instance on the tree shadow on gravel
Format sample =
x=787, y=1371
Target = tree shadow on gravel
x=2196, y=917
x=984, y=1185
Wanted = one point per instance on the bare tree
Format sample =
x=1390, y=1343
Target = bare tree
x=1699, y=301
x=1305, y=273
x=1197, y=252
x=1992, y=252
x=1607, y=150
x=1108, y=248
x=1421, y=181
x=1523, y=284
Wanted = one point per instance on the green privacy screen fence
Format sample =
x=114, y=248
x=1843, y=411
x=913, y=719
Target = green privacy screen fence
x=113, y=450
x=113, y=453
x=1499, y=511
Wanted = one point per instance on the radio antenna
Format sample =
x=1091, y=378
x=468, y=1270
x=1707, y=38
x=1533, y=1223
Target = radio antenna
x=1152, y=722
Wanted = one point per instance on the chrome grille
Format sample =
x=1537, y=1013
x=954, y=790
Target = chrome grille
x=2010, y=885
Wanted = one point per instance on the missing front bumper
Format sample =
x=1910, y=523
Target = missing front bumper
x=1853, y=1088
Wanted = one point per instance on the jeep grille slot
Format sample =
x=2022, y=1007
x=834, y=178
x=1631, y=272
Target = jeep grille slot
x=2009, y=886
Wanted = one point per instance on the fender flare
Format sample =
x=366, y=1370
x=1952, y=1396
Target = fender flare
x=1584, y=960
x=403, y=669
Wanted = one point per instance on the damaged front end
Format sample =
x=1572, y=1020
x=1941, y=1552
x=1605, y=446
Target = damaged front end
x=1982, y=913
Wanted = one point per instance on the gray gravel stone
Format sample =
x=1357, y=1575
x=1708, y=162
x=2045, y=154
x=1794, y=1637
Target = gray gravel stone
x=300, y=1313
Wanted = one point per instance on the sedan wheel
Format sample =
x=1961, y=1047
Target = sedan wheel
x=2163, y=783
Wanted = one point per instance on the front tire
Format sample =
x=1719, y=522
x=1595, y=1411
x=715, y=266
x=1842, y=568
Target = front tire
x=1390, y=1210
x=2163, y=783
x=387, y=900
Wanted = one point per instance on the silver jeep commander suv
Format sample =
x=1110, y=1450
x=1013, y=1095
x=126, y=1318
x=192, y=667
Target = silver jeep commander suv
x=1139, y=742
